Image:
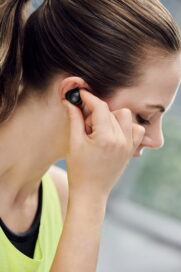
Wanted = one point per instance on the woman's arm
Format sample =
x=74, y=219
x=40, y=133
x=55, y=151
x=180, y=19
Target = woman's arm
x=79, y=243
x=83, y=217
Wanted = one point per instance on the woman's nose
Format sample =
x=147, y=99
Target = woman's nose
x=153, y=139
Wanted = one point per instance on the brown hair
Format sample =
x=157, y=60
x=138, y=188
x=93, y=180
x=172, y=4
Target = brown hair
x=102, y=41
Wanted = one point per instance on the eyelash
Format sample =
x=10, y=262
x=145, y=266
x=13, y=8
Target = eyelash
x=142, y=121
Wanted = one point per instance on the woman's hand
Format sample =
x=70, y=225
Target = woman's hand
x=95, y=161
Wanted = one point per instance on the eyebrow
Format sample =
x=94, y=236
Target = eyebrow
x=160, y=107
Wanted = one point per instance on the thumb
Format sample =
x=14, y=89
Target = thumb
x=76, y=121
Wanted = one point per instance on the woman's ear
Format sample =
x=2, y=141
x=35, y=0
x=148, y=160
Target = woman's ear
x=69, y=83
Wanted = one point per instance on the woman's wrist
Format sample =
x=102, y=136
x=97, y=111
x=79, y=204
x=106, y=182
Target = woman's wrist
x=91, y=201
x=88, y=196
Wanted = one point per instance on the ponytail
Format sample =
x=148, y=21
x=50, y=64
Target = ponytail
x=11, y=42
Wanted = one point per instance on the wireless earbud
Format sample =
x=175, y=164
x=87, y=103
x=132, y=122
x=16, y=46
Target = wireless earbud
x=73, y=96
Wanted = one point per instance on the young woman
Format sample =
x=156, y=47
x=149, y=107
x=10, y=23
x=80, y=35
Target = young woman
x=125, y=59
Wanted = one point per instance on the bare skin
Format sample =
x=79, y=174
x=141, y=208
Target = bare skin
x=21, y=145
x=87, y=192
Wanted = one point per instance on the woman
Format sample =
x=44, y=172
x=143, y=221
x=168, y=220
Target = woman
x=125, y=59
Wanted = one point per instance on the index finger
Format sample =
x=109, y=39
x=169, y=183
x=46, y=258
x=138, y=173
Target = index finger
x=101, y=119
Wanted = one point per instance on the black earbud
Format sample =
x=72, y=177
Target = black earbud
x=73, y=96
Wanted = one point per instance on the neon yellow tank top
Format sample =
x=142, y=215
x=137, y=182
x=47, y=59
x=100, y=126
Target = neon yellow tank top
x=51, y=224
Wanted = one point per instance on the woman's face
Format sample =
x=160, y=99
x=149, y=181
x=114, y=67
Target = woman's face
x=151, y=99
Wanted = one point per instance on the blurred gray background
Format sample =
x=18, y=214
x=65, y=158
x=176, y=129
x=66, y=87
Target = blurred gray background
x=142, y=227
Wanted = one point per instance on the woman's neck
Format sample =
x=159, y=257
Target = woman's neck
x=28, y=147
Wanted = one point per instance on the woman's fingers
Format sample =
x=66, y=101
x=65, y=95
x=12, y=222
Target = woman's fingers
x=102, y=124
x=134, y=133
x=123, y=119
x=76, y=124
x=99, y=111
x=138, y=134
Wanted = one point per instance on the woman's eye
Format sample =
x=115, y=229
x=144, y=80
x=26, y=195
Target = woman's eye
x=142, y=121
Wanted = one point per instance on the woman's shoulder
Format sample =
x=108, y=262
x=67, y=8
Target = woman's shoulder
x=59, y=177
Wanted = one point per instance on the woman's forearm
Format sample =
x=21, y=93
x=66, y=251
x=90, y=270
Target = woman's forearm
x=79, y=243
